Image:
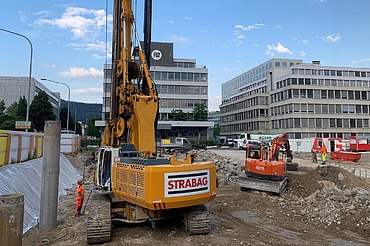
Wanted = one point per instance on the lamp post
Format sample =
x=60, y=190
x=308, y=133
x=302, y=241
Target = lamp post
x=30, y=71
x=69, y=97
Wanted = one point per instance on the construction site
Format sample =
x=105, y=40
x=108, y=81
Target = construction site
x=322, y=206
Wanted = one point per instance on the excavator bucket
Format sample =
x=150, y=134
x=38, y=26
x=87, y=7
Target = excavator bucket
x=277, y=187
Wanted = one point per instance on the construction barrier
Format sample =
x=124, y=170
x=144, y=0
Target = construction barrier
x=17, y=146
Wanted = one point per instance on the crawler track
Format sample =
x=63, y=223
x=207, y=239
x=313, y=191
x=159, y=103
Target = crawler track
x=196, y=220
x=99, y=219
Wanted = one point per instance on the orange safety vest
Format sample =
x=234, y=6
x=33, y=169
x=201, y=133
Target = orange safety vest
x=81, y=189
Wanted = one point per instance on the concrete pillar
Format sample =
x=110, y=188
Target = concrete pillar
x=11, y=219
x=50, y=176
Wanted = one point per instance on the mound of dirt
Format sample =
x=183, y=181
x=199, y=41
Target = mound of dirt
x=307, y=181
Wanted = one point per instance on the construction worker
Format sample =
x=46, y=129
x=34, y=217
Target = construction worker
x=314, y=155
x=323, y=156
x=80, y=193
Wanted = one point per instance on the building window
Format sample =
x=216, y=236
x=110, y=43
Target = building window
x=318, y=122
x=317, y=108
x=304, y=122
x=365, y=109
x=352, y=122
x=310, y=108
x=332, y=122
x=345, y=108
x=352, y=109
x=350, y=95
x=338, y=109
x=337, y=94
x=297, y=122
x=339, y=73
x=331, y=109
x=366, y=122
x=324, y=94
x=339, y=123
x=346, y=123
x=359, y=122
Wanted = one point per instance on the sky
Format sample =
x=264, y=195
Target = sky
x=71, y=45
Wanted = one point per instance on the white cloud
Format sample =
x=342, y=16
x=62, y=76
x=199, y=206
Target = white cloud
x=361, y=60
x=257, y=45
x=188, y=18
x=87, y=91
x=278, y=27
x=22, y=15
x=333, y=37
x=176, y=39
x=250, y=27
x=240, y=37
x=98, y=57
x=97, y=46
x=302, y=53
x=49, y=65
x=304, y=41
x=76, y=72
x=279, y=49
x=43, y=13
x=83, y=23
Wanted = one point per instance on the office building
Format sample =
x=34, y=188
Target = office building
x=305, y=100
x=181, y=85
x=12, y=88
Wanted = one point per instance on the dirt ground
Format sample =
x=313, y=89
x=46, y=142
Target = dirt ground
x=300, y=217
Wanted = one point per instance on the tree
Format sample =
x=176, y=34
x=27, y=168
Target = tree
x=22, y=107
x=178, y=114
x=2, y=107
x=91, y=129
x=63, y=119
x=41, y=110
x=200, y=113
x=216, y=130
x=12, y=110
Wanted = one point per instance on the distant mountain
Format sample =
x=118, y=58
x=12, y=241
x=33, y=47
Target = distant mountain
x=84, y=111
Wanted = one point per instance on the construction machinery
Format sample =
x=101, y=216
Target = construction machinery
x=136, y=185
x=266, y=166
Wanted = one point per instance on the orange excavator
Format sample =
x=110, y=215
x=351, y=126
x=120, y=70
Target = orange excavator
x=266, y=166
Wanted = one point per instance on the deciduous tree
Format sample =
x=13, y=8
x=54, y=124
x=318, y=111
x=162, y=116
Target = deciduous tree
x=41, y=110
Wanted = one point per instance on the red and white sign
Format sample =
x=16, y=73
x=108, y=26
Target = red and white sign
x=186, y=183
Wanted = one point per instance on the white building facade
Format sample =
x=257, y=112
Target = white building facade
x=303, y=100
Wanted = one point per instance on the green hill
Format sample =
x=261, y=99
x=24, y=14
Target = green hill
x=84, y=111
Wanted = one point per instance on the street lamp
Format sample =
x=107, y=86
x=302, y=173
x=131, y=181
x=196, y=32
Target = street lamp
x=69, y=98
x=30, y=71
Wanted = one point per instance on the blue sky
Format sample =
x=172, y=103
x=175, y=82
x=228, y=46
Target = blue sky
x=229, y=37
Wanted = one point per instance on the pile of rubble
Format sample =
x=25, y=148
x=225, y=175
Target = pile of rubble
x=228, y=170
x=331, y=205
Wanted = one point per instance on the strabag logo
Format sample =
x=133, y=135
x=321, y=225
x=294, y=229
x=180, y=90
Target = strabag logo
x=186, y=183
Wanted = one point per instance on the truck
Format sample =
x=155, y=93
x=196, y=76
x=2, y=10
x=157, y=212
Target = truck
x=133, y=184
x=180, y=143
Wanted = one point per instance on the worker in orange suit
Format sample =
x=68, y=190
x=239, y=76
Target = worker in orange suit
x=80, y=194
x=323, y=155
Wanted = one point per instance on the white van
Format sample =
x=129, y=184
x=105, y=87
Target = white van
x=251, y=143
